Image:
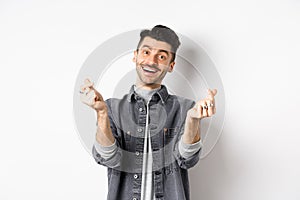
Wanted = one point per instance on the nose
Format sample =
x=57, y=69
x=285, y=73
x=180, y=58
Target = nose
x=151, y=59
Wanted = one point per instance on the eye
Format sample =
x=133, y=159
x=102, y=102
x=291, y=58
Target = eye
x=145, y=52
x=161, y=57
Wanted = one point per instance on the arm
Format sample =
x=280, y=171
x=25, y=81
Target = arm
x=187, y=152
x=105, y=150
x=91, y=97
x=203, y=108
x=104, y=134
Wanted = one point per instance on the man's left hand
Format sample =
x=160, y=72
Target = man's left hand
x=204, y=108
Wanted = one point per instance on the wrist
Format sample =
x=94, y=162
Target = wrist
x=102, y=116
x=192, y=130
x=191, y=139
x=192, y=120
x=101, y=113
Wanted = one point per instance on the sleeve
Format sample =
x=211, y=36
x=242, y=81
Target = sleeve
x=106, y=152
x=187, y=156
x=188, y=150
x=187, y=159
x=109, y=156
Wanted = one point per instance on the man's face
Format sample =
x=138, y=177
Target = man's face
x=153, y=61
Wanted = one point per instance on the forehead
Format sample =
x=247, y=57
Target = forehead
x=155, y=44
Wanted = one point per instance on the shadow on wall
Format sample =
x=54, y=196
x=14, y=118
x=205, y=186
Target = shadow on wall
x=211, y=175
x=211, y=178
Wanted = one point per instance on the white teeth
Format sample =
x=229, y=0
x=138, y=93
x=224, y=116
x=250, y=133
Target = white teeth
x=149, y=69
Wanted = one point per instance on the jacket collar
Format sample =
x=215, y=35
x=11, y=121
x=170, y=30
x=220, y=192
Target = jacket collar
x=162, y=94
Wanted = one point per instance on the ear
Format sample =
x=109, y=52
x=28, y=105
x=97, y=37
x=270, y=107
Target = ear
x=171, y=67
x=134, y=56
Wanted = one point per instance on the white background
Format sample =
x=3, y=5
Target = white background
x=254, y=44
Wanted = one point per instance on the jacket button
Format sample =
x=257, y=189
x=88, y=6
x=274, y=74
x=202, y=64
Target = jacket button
x=140, y=109
x=134, y=198
x=135, y=176
x=137, y=153
x=140, y=130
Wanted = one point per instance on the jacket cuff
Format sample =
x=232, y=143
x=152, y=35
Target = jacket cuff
x=188, y=150
x=106, y=152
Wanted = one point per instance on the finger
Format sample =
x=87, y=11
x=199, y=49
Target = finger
x=91, y=96
x=87, y=81
x=84, y=99
x=84, y=87
x=198, y=105
x=98, y=96
x=201, y=110
x=87, y=90
x=88, y=98
x=210, y=106
x=198, y=109
x=204, y=109
x=214, y=91
x=214, y=108
x=211, y=93
x=87, y=84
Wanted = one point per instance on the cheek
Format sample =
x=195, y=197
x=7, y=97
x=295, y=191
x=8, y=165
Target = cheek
x=139, y=60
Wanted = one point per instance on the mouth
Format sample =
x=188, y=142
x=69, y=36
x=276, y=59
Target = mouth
x=149, y=69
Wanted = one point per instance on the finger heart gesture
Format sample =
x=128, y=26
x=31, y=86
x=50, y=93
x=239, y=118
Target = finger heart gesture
x=204, y=108
x=91, y=97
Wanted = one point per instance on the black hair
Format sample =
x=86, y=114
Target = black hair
x=164, y=34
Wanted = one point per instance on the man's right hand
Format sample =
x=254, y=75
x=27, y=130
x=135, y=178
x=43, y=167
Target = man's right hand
x=91, y=97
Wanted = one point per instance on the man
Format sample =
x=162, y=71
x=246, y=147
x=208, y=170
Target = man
x=149, y=138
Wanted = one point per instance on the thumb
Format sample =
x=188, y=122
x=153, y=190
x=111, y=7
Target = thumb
x=88, y=82
x=211, y=93
x=214, y=91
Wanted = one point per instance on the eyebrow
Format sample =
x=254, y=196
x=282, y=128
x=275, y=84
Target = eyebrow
x=159, y=50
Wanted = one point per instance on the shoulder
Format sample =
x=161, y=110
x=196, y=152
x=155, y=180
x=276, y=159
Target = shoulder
x=182, y=101
x=125, y=99
x=115, y=103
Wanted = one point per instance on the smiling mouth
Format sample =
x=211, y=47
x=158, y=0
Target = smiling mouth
x=149, y=69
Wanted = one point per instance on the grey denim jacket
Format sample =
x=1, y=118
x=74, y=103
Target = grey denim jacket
x=166, y=116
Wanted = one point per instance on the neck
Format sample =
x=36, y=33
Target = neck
x=148, y=86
